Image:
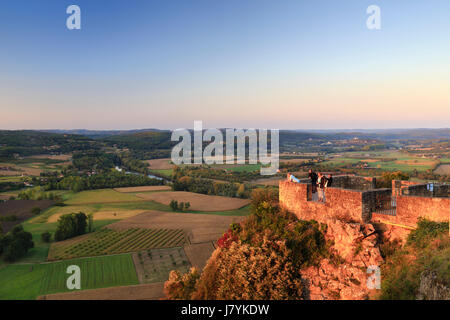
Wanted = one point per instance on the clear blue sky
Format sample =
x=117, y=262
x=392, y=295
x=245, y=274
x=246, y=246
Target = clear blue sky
x=233, y=63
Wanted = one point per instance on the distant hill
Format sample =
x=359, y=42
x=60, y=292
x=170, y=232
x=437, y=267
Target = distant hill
x=143, y=144
x=100, y=133
x=155, y=143
x=387, y=134
x=298, y=135
x=29, y=142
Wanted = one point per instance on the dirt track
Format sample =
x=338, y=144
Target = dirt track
x=200, y=202
x=152, y=291
x=199, y=253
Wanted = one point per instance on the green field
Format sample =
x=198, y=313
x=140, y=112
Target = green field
x=245, y=168
x=384, y=160
x=108, y=241
x=164, y=172
x=100, y=196
x=20, y=282
x=11, y=179
x=119, y=207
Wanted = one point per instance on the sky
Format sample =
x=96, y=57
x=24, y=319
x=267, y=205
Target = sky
x=286, y=64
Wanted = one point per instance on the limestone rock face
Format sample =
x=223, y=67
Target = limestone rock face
x=346, y=279
x=392, y=233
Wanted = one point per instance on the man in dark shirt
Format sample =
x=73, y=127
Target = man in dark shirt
x=329, y=181
x=313, y=176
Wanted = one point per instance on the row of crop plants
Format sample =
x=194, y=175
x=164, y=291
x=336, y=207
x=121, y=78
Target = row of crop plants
x=108, y=241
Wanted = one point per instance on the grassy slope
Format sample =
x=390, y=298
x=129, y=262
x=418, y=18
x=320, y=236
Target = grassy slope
x=354, y=157
x=100, y=196
x=29, y=281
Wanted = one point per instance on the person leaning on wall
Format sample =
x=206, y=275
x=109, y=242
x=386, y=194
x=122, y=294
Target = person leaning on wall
x=292, y=178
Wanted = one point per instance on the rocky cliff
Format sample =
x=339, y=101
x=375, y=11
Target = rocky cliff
x=345, y=277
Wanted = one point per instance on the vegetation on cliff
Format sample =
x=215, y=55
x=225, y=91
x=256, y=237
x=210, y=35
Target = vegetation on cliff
x=427, y=249
x=257, y=259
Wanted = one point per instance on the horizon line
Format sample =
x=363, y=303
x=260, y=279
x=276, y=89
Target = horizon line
x=297, y=129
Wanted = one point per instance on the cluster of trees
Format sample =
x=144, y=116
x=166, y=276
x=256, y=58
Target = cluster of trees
x=206, y=172
x=95, y=160
x=260, y=258
x=385, y=180
x=11, y=217
x=46, y=236
x=15, y=244
x=134, y=165
x=72, y=225
x=111, y=179
x=206, y=186
x=28, y=142
x=144, y=145
x=37, y=193
x=373, y=147
x=179, y=206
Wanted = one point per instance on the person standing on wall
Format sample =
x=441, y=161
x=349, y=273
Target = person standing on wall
x=329, y=181
x=321, y=182
x=313, y=176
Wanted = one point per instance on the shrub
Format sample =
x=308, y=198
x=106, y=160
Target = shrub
x=227, y=239
x=46, y=236
x=426, y=231
x=60, y=204
x=385, y=181
x=246, y=272
x=427, y=248
x=11, y=217
x=174, y=205
x=36, y=210
x=181, y=287
x=307, y=242
x=15, y=244
x=14, y=251
x=261, y=198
